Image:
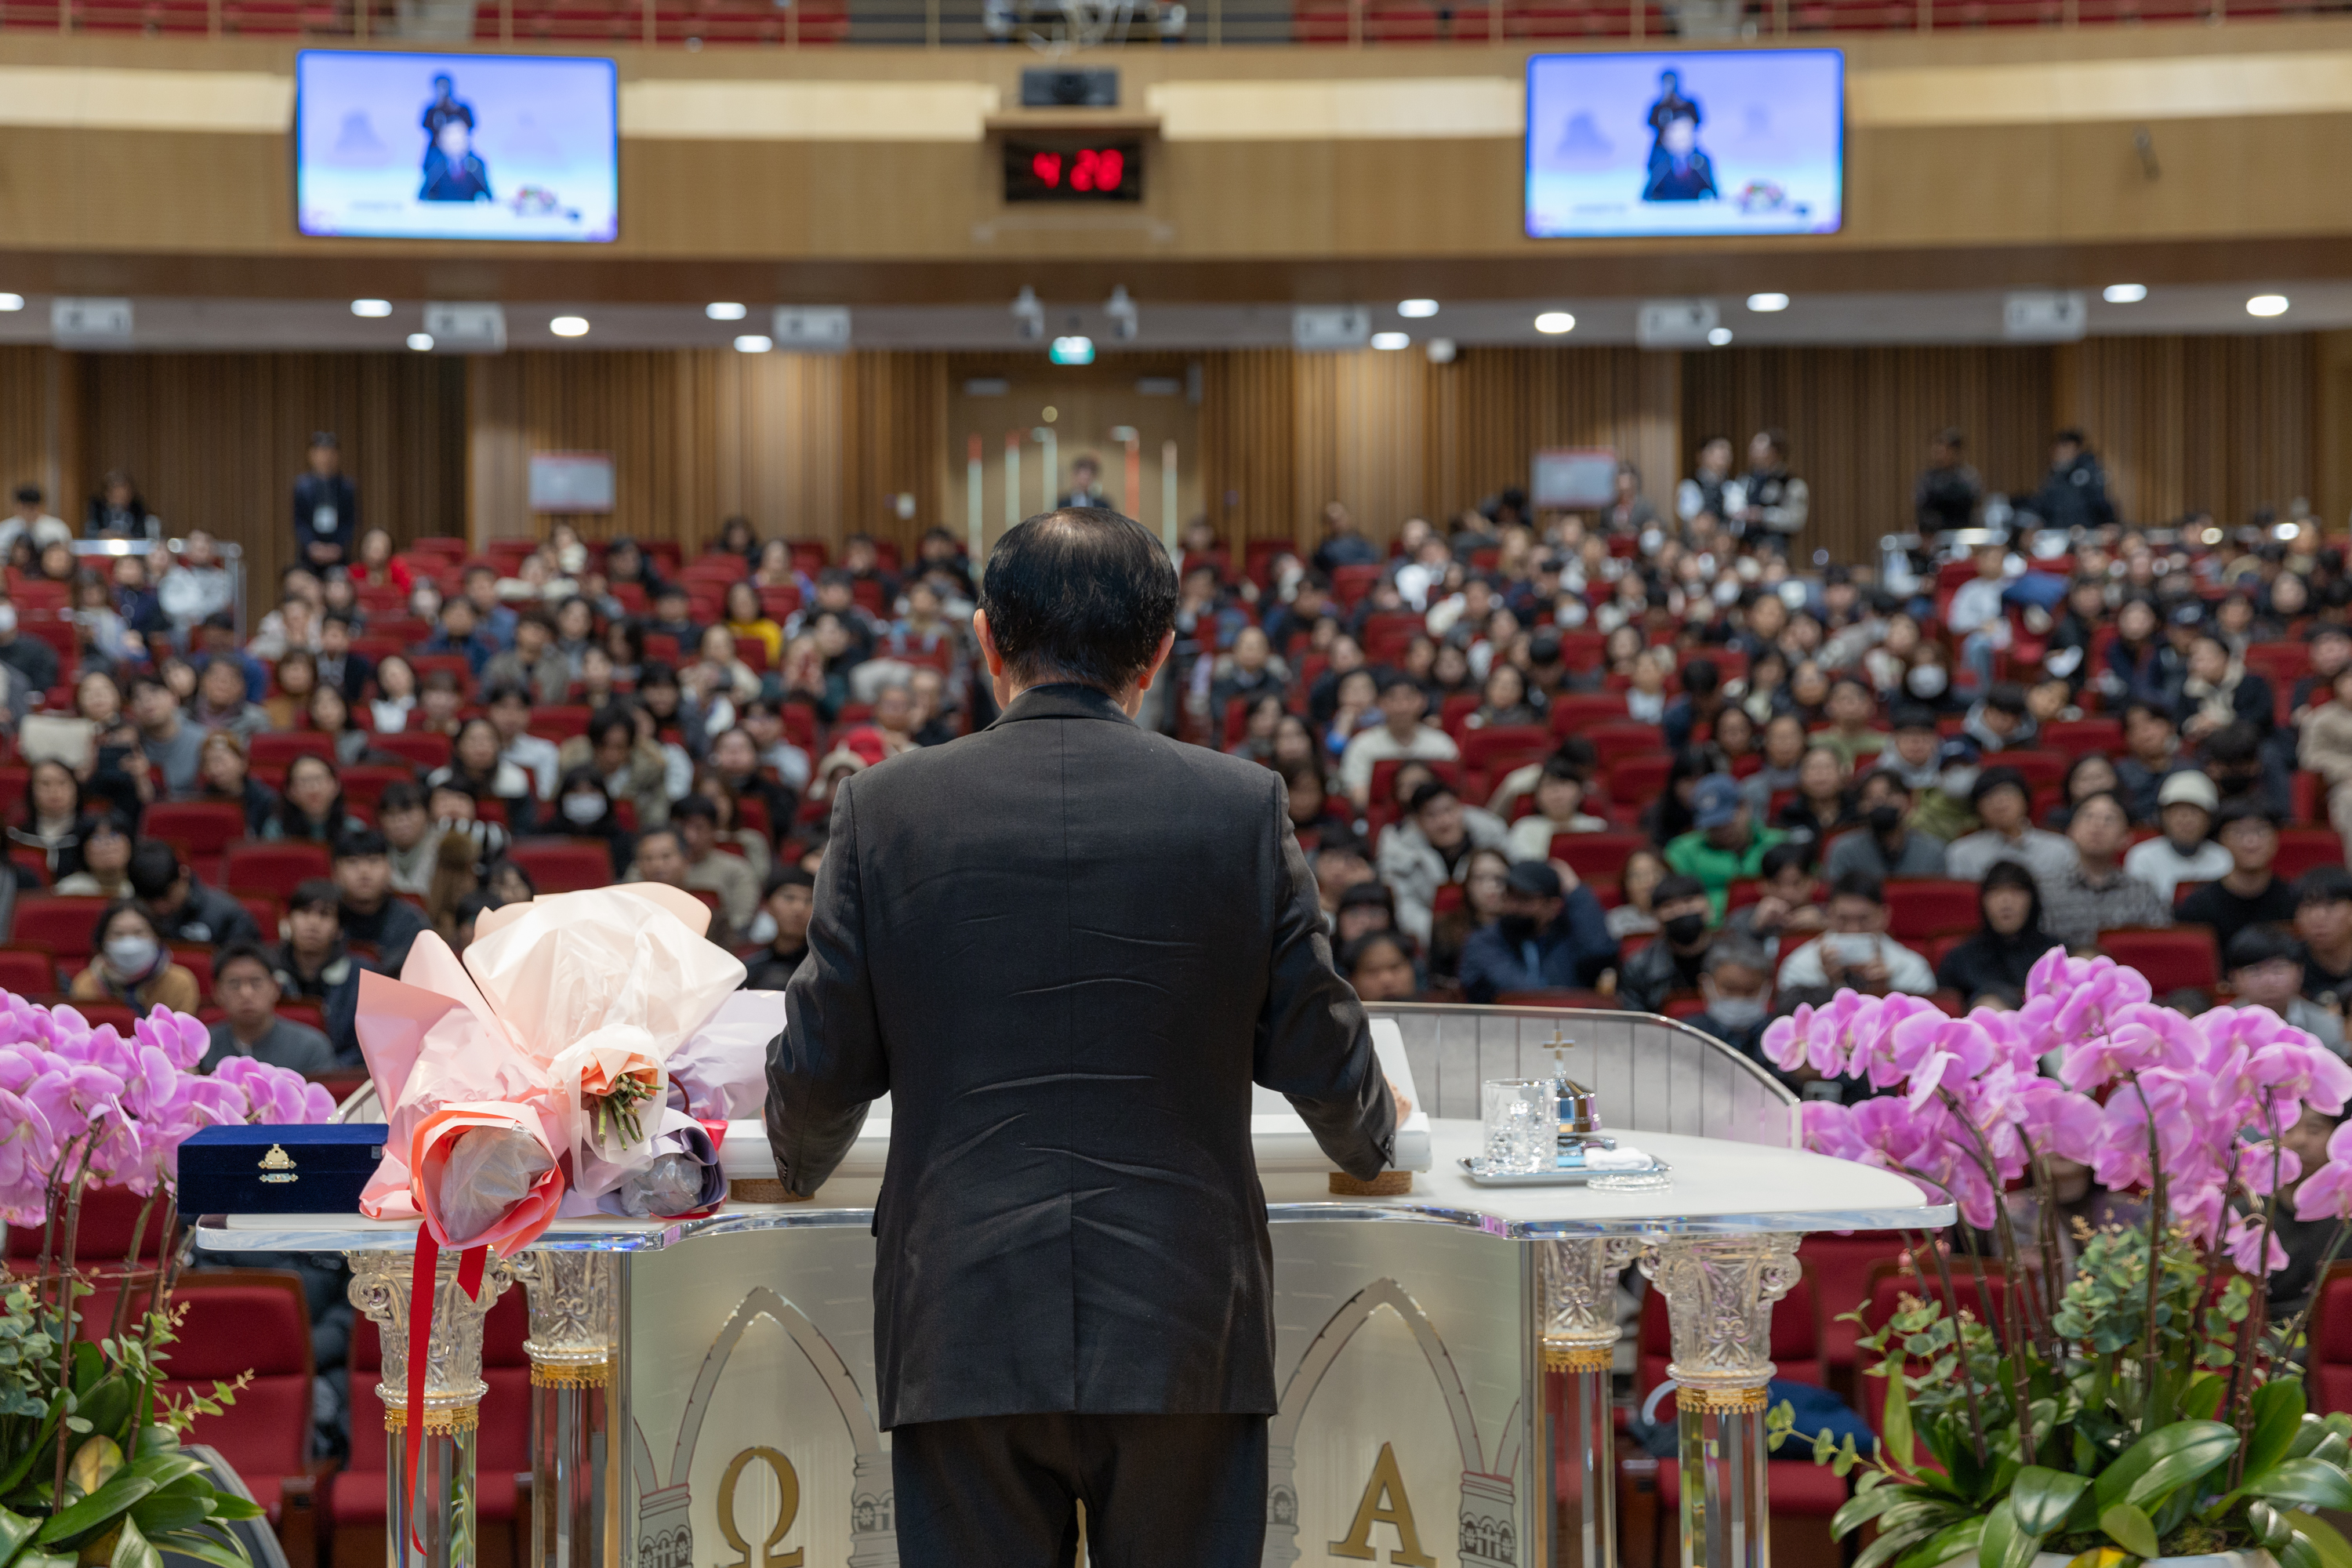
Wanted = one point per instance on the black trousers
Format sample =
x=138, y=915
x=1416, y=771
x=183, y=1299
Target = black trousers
x=1002, y=1492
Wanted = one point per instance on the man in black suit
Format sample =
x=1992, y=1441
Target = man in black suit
x=1066, y=947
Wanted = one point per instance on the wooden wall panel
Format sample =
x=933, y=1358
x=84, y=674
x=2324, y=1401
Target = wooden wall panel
x=1859, y=421
x=696, y=436
x=2202, y=423
x=893, y=426
x=215, y=441
x=1496, y=407
x=30, y=403
x=1250, y=450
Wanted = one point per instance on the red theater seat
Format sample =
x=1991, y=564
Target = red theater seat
x=2177, y=958
x=63, y=926
x=1919, y=909
x=561, y=866
x=195, y=827
x=257, y=1322
x=274, y=868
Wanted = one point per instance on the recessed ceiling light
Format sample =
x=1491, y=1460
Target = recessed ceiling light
x=725, y=311
x=1390, y=340
x=372, y=307
x=1416, y=310
x=12, y=302
x=1765, y=304
x=421, y=341
x=2266, y=305
x=1555, y=321
x=753, y=343
x=2124, y=293
x=569, y=326
x=1718, y=336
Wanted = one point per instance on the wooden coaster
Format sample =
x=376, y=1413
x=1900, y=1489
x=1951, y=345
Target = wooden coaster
x=762, y=1191
x=1387, y=1185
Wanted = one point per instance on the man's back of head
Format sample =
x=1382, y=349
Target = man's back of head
x=1080, y=594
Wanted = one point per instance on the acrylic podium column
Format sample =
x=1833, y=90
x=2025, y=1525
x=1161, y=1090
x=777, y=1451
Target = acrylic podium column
x=574, y=1298
x=1719, y=1291
x=441, y=1516
x=1578, y=1312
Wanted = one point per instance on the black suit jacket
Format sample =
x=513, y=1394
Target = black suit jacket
x=1066, y=948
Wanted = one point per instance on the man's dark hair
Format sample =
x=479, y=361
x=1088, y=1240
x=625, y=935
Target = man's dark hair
x=1781, y=856
x=1435, y=789
x=315, y=893
x=453, y=785
x=1375, y=895
x=506, y=692
x=2007, y=699
x=1733, y=949
x=1395, y=679
x=1852, y=885
x=1671, y=890
x=1700, y=677
x=2153, y=710
x=28, y=495
x=359, y=843
x=2236, y=811
x=154, y=866
x=1081, y=595
x=342, y=618
x=399, y=795
x=477, y=570
x=2071, y=437
x=784, y=877
x=1885, y=778
x=1992, y=779
x=240, y=950
x=2320, y=885
x=695, y=807
x=1912, y=716
x=1355, y=952
x=2262, y=943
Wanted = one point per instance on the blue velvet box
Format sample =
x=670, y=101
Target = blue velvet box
x=262, y=1169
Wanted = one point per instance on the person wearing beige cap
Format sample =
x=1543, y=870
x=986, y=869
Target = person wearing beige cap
x=2184, y=804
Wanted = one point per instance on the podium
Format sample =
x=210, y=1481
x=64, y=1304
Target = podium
x=703, y=1390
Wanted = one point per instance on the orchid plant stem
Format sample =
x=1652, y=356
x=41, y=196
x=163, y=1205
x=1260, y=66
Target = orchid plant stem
x=1967, y=1381
x=2157, y=1225
x=70, y=1318
x=130, y=1263
x=167, y=1271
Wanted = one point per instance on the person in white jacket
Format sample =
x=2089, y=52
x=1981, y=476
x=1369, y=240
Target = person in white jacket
x=1855, y=952
x=1430, y=847
x=2185, y=805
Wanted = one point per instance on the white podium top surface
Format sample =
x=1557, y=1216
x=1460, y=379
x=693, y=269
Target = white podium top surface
x=1720, y=1187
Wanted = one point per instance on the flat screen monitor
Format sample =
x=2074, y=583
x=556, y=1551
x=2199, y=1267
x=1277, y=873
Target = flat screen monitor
x=1686, y=142
x=417, y=146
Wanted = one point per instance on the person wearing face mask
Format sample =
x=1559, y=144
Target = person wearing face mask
x=1674, y=962
x=131, y=965
x=587, y=815
x=1883, y=846
x=1552, y=934
x=1736, y=981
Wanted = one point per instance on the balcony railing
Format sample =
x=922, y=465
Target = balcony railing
x=1335, y=24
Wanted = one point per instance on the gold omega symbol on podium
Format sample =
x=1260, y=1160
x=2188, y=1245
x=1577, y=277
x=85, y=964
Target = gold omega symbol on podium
x=788, y=1488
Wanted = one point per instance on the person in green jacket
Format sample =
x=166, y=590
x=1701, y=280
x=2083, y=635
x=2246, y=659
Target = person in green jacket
x=1726, y=847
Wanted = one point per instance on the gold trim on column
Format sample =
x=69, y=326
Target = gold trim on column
x=1563, y=1356
x=1718, y=1400
x=439, y=1422
x=571, y=1374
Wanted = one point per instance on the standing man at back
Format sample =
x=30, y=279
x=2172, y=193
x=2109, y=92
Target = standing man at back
x=1066, y=947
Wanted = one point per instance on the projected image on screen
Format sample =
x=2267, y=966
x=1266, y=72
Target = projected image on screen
x=1661, y=143
x=454, y=146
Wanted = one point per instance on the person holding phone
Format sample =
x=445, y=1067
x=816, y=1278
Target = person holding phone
x=1855, y=952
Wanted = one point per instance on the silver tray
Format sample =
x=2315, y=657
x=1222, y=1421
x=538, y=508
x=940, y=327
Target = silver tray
x=1556, y=1178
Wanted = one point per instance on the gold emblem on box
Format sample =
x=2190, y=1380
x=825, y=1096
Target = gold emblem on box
x=277, y=1166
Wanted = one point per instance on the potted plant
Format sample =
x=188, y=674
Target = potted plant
x=2131, y=1402
x=91, y=1468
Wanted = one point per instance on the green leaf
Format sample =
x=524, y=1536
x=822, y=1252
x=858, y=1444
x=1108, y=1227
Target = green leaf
x=2130, y=1528
x=132, y=1549
x=167, y=1470
x=1863, y=1507
x=2166, y=1458
x=94, y=1464
x=2278, y=1407
x=206, y=1548
x=160, y=1515
x=2327, y=1540
x=2042, y=1497
x=2204, y=1398
x=1890, y=1542
x=2003, y=1544
x=1953, y=1540
x=1895, y=1429
x=229, y=1505
x=2298, y=1553
x=111, y=1499
x=15, y=1528
x=2270, y=1526
x=2312, y=1481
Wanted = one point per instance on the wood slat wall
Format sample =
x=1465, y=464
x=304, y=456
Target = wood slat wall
x=1859, y=420
x=2219, y=425
x=215, y=441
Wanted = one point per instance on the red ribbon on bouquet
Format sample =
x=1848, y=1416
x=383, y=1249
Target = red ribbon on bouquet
x=423, y=1286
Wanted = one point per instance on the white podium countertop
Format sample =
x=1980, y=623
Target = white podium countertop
x=1720, y=1187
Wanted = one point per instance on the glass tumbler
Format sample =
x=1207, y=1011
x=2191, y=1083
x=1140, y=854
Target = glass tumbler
x=1522, y=1126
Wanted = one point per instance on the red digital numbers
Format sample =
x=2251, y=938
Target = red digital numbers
x=1097, y=171
x=1091, y=169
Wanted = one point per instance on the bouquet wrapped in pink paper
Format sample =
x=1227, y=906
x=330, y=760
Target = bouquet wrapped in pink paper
x=530, y=1078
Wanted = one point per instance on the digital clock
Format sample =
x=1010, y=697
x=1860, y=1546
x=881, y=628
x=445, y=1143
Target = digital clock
x=1064, y=170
